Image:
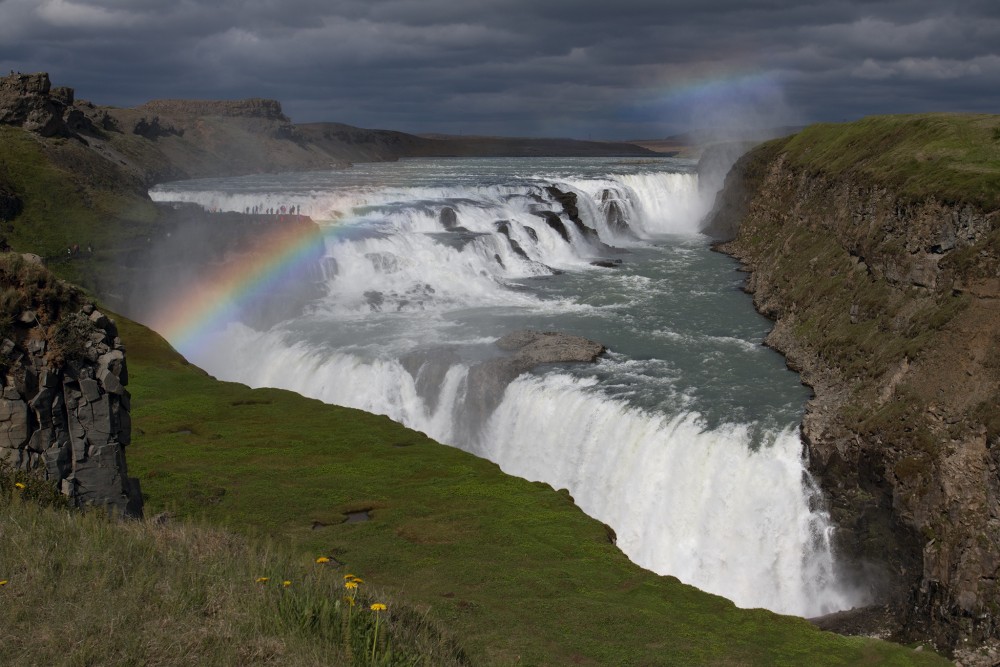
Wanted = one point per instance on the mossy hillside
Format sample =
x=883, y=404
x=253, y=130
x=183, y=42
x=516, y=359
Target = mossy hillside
x=515, y=571
x=953, y=157
x=72, y=196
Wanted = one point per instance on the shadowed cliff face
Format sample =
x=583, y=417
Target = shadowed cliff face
x=889, y=307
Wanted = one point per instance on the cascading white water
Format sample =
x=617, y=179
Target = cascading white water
x=688, y=493
x=700, y=504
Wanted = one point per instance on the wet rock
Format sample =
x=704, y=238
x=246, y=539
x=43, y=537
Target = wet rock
x=428, y=369
x=448, y=218
x=526, y=350
x=375, y=299
x=503, y=226
x=553, y=220
x=614, y=214
x=568, y=201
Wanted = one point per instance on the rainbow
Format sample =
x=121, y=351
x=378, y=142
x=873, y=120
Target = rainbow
x=219, y=297
x=703, y=95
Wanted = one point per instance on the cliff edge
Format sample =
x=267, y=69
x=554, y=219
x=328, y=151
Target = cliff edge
x=875, y=247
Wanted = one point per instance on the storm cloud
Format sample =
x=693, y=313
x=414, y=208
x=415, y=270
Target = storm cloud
x=626, y=69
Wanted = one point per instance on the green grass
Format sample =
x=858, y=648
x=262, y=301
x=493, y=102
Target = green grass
x=515, y=571
x=71, y=196
x=954, y=157
x=145, y=593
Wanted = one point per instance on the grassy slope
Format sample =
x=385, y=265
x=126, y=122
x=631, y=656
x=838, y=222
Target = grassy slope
x=955, y=157
x=513, y=568
x=71, y=196
x=220, y=599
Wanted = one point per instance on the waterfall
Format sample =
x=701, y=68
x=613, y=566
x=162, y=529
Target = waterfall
x=421, y=278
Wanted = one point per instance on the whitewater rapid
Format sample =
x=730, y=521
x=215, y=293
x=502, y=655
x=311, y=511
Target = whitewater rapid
x=675, y=439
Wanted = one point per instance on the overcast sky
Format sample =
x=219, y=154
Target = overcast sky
x=582, y=68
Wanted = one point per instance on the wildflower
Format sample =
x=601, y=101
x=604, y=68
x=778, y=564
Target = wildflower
x=349, y=599
x=349, y=576
x=262, y=580
x=350, y=585
x=286, y=583
x=358, y=580
x=322, y=559
x=21, y=486
x=377, y=607
x=4, y=582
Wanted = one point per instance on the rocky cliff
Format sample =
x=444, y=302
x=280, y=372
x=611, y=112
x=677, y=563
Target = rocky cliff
x=874, y=247
x=64, y=409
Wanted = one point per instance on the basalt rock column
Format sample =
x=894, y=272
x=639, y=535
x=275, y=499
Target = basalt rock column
x=70, y=420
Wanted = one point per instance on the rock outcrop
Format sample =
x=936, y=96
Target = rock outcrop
x=249, y=108
x=30, y=101
x=64, y=409
x=887, y=306
x=526, y=350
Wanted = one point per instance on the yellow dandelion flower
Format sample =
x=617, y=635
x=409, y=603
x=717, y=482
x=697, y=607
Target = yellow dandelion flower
x=322, y=559
x=4, y=582
x=286, y=583
x=21, y=486
x=358, y=580
x=349, y=576
x=349, y=600
x=350, y=585
x=378, y=606
x=262, y=580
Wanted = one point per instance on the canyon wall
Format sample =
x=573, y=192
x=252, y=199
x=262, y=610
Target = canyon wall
x=887, y=300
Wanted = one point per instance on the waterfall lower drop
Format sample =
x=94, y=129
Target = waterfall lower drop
x=639, y=445
x=700, y=505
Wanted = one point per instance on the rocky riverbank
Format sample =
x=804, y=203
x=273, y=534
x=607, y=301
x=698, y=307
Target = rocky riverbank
x=882, y=279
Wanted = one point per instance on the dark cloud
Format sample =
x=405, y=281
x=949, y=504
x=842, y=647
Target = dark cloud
x=584, y=68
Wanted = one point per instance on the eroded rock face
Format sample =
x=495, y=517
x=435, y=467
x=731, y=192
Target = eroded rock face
x=29, y=101
x=71, y=421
